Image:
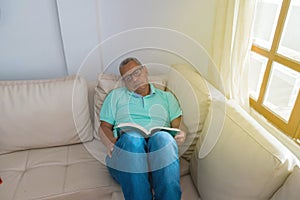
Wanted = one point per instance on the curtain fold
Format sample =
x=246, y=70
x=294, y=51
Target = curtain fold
x=231, y=46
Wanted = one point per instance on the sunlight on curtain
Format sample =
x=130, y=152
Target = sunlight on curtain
x=231, y=44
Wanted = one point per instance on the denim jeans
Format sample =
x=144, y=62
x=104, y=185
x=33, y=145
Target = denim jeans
x=142, y=165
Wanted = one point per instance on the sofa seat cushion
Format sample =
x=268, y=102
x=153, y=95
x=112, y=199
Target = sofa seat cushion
x=66, y=172
x=290, y=188
x=54, y=173
x=189, y=191
x=44, y=113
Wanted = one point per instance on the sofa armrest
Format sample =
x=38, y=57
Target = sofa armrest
x=247, y=162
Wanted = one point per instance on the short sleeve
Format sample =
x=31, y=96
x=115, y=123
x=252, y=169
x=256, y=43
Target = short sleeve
x=174, y=108
x=107, y=113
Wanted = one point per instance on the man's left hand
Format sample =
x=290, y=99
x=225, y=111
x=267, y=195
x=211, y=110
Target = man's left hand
x=180, y=137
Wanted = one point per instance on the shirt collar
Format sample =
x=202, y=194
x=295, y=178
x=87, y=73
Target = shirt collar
x=152, y=91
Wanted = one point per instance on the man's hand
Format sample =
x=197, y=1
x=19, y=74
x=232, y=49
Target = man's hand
x=180, y=137
x=106, y=136
x=110, y=149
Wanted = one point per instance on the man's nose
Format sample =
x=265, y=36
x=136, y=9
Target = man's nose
x=134, y=78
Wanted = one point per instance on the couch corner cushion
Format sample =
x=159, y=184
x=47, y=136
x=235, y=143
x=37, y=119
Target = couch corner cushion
x=43, y=113
x=247, y=162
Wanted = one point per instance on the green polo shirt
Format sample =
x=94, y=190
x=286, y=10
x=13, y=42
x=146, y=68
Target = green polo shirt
x=158, y=108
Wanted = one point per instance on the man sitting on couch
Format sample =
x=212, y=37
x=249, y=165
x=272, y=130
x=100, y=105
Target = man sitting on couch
x=131, y=156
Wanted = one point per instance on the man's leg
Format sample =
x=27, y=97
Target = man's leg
x=128, y=166
x=164, y=164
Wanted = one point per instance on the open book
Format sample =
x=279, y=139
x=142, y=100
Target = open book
x=127, y=127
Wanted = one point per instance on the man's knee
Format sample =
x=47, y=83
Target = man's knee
x=129, y=155
x=132, y=143
x=162, y=139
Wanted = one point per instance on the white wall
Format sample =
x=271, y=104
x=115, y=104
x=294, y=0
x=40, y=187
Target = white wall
x=30, y=42
x=44, y=39
x=80, y=34
x=185, y=27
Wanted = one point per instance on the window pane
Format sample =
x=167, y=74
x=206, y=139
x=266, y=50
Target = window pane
x=256, y=72
x=290, y=43
x=282, y=90
x=267, y=12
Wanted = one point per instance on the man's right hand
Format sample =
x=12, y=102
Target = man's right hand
x=110, y=149
x=107, y=137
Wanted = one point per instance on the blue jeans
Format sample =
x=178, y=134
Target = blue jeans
x=134, y=157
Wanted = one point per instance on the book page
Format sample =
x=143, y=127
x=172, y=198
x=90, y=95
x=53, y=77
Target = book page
x=127, y=127
x=172, y=131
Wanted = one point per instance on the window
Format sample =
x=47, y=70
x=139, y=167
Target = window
x=275, y=64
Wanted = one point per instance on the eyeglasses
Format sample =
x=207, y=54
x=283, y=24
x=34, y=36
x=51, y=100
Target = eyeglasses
x=135, y=73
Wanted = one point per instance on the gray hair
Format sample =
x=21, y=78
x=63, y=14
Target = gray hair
x=127, y=60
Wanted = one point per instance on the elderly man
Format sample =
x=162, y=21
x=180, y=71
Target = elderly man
x=142, y=166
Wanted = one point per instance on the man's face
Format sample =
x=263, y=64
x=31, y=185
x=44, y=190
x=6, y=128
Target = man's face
x=134, y=75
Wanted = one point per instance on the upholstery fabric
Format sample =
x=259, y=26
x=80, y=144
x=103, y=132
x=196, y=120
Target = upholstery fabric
x=187, y=188
x=65, y=172
x=247, y=162
x=55, y=172
x=290, y=189
x=43, y=113
x=192, y=92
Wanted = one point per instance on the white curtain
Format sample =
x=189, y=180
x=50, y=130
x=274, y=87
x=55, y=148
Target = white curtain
x=231, y=46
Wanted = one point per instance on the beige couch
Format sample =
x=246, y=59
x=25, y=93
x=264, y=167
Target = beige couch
x=49, y=148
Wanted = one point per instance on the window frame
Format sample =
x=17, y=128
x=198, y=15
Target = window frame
x=292, y=127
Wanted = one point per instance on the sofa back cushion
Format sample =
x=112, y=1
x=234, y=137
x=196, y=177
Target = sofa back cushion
x=43, y=113
x=194, y=97
x=247, y=162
